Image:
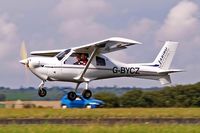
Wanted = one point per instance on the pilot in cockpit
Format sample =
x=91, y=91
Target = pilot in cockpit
x=81, y=59
x=84, y=59
x=78, y=58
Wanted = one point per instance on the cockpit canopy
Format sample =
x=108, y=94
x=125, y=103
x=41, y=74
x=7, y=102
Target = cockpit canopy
x=79, y=58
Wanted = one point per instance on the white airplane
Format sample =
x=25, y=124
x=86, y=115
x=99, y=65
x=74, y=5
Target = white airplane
x=88, y=62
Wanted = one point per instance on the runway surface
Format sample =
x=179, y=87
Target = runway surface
x=76, y=121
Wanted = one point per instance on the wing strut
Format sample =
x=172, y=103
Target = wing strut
x=80, y=77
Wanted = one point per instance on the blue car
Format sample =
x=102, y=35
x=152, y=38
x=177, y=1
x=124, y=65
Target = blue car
x=80, y=102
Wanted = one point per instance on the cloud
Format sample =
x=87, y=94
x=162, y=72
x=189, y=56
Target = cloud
x=9, y=51
x=181, y=23
x=79, y=18
x=142, y=29
x=8, y=36
x=82, y=29
x=73, y=9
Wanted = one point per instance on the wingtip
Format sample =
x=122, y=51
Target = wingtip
x=124, y=40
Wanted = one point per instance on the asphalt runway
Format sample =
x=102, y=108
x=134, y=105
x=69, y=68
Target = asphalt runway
x=109, y=121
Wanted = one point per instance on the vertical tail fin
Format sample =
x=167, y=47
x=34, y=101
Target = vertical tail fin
x=166, y=55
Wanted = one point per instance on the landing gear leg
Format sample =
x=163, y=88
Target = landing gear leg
x=77, y=86
x=72, y=94
x=87, y=93
x=42, y=92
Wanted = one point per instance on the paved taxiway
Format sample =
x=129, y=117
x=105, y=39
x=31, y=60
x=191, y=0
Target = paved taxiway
x=76, y=121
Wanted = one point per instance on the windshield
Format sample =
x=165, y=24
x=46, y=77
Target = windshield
x=61, y=55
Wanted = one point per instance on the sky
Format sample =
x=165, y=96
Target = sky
x=56, y=24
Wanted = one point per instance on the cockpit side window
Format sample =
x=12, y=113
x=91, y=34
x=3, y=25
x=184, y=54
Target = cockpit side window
x=77, y=59
x=100, y=61
x=61, y=55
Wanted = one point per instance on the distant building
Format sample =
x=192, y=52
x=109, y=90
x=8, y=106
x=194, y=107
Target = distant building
x=18, y=104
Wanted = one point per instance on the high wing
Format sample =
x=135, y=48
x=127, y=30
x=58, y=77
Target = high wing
x=107, y=45
x=104, y=46
x=48, y=53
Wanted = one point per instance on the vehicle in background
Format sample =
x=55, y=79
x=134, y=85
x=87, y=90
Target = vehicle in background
x=80, y=102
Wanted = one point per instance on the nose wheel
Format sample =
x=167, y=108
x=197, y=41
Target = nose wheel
x=42, y=92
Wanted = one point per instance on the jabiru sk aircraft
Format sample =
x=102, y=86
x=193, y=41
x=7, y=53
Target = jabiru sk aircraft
x=88, y=63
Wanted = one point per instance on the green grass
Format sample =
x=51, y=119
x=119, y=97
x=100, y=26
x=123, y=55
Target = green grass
x=2, y=106
x=102, y=113
x=133, y=128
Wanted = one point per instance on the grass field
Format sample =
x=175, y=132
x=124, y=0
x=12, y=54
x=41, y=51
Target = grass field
x=102, y=113
x=133, y=128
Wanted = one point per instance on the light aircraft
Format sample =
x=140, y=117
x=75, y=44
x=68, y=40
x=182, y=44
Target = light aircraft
x=88, y=63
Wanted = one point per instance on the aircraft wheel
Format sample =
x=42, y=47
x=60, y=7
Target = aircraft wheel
x=71, y=96
x=87, y=94
x=42, y=92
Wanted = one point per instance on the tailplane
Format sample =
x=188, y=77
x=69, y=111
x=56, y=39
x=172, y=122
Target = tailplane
x=164, y=58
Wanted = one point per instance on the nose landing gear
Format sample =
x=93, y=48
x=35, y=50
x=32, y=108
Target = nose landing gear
x=42, y=91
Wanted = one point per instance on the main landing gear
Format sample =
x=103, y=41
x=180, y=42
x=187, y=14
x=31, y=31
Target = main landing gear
x=42, y=91
x=86, y=93
x=71, y=95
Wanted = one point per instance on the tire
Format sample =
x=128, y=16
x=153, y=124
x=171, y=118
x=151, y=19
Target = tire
x=89, y=106
x=71, y=96
x=87, y=94
x=42, y=92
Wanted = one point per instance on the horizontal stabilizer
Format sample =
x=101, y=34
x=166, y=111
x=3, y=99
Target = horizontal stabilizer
x=170, y=71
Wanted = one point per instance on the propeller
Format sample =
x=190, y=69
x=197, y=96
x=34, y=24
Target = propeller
x=24, y=59
x=23, y=53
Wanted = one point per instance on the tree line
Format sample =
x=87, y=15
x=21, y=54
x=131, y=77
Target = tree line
x=175, y=96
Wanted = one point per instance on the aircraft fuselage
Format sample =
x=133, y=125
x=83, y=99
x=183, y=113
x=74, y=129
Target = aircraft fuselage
x=53, y=70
